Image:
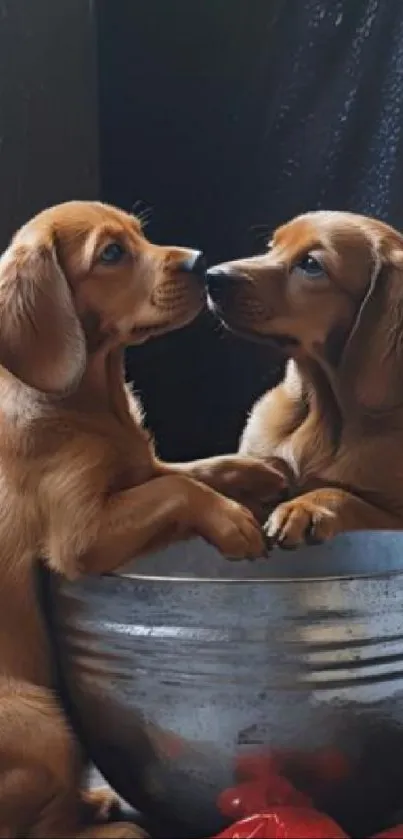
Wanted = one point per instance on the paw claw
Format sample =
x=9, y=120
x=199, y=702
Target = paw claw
x=298, y=522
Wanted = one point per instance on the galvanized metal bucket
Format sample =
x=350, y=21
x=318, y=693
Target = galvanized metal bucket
x=184, y=663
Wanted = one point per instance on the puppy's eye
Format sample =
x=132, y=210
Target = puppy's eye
x=310, y=266
x=112, y=254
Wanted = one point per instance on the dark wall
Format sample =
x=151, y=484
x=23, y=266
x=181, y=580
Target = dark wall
x=229, y=117
x=48, y=107
x=180, y=93
x=181, y=88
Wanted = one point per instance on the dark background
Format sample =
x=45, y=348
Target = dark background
x=225, y=117
x=48, y=107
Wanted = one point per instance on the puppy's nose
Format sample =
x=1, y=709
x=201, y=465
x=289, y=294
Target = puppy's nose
x=195, y=264
x=218, y=279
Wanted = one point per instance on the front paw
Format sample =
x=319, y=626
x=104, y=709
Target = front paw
x=254, y=483
x=115, y=830
x=100, y=803
x=233, y=529
x=299, y=522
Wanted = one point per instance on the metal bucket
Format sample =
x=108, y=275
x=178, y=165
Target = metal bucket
x=183, y=664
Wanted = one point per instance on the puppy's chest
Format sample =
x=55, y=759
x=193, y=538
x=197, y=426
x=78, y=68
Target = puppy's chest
x=133, y=448
x=133, y=460
x=308, y=451
x=367, y=465
x=304, y=427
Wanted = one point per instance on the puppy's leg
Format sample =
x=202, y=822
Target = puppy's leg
x=323, y=513
x=38, y=756
x=99, y=803
x=119, y=830
x=255, y=476
x=250, y=481
x=56, y=821
x=40, y=767
x=163, y=510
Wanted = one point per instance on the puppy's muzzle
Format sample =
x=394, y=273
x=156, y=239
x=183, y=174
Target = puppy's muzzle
x=221, y=284
x=195, y=264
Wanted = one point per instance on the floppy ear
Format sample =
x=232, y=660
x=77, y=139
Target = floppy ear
x=41, y=339
x=372, y=361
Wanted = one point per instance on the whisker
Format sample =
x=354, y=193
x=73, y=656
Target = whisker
x=261, y=232
x=220, y=328
x=142, y=211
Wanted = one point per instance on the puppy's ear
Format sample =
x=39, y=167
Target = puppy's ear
x=41, y=339
x=373, y=356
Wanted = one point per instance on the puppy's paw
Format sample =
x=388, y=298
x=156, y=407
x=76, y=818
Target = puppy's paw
x=115, y=830
x=245, y=479
x=298, y=522
x=233, y=529
x=100, y=804
x=128, y=830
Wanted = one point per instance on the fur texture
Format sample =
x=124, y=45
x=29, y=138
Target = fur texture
x=330, y=292
x=80, y=483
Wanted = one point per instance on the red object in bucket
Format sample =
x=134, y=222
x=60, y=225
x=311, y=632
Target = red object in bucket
x=256, y=796
x=330, y=766
x=243, y=800
x=285, y=823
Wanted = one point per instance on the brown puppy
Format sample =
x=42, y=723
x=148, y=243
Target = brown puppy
x=330, y=292
x=80, y=484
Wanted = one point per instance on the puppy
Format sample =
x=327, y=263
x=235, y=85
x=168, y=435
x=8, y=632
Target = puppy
x=80, y=484
x=329, y=291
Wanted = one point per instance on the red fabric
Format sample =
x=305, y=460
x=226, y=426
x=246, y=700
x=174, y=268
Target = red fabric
x=255, y=796
x=285, y=823
x=264, y=804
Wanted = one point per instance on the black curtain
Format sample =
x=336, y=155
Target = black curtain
x=227, y=117
x=48, y=107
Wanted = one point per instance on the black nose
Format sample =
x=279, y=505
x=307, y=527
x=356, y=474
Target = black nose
x=218, y=280
x=195, y=264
